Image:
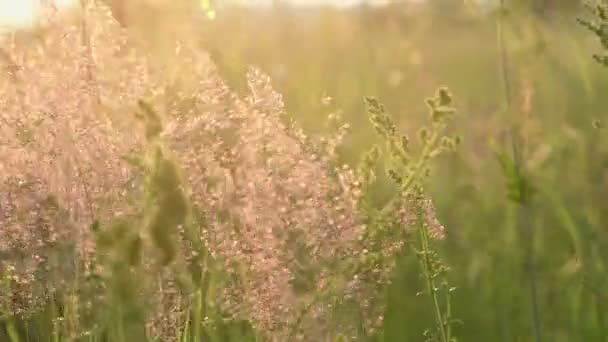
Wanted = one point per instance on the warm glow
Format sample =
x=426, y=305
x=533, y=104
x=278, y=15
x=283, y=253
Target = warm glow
x=16, y=14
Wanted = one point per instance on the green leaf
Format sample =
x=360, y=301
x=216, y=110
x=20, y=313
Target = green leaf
x=11, y=331
x=519, y=188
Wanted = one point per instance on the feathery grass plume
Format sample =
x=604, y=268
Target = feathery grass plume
x=60, y=169
x=51, y=118
x=275, y=207
x=219, y=211
x=34, y=232
x=60, y=142
x=249, y=163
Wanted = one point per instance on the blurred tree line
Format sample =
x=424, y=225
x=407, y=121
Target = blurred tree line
x=540, y=7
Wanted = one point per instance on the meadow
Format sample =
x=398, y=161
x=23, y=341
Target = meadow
x=400, y=173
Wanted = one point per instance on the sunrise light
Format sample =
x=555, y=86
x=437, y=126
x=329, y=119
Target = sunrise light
x=15, y=14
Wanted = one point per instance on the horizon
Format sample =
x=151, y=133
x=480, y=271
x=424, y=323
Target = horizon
x=15, y=15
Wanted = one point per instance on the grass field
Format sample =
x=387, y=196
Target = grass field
x=226, y=224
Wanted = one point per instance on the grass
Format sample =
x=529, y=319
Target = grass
x=207, y=243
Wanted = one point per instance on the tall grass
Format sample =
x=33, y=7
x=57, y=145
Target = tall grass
x=152, y=191
x=220, y=220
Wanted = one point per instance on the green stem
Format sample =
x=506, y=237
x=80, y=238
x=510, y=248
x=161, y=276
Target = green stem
x=197, y=316
x=448, y=323
x=426, y=263
x=524, y=208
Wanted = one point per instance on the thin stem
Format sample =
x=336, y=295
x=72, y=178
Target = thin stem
x=426, y=262
x=448, y=305
x=516, y=142
x=198, y=315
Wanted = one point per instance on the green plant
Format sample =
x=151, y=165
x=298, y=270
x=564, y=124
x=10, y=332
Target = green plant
x=409, y=171
x=598, y=25
x=519, y=188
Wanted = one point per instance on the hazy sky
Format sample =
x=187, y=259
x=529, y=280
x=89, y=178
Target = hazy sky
x=317, y=2
x=19, y=13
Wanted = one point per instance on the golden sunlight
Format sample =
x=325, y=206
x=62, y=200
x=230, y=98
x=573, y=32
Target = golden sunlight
x=16, y=14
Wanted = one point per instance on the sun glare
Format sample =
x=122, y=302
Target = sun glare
x=15, y=14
